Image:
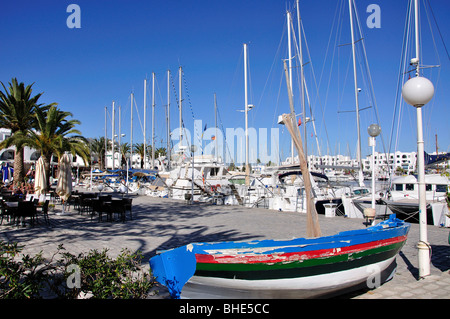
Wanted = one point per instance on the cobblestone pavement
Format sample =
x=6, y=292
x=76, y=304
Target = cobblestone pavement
x=160, y=224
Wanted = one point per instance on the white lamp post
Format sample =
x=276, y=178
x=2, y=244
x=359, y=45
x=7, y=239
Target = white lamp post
x=374, y=130
x=417, y=92
x=193, y=150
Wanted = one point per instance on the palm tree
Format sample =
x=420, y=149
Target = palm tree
x=17, y=108
x=124, y=150
x=139, y=149
x=160, y=152
x=51, y=136
x=97, y=146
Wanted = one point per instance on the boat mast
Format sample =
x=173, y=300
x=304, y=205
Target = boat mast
x=168, y=118
x=106, y=138
x=313, y=227
x=120, y=137
x=145, y=123
x=302, y=81
x=288, y=21
x=247, y=168
x=358, y=151
x=153, y=120
x=112, y=133
x=131, y=132
x=180, y=108
x=215, y=121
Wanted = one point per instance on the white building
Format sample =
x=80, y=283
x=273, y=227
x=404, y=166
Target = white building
x=404, y=162
x=398, y=161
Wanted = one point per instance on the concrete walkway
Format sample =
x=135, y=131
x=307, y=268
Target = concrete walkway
x=160, y=224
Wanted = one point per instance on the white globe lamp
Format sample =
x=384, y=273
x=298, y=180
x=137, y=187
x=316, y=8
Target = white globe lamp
x=374, y=130
x=418, y=91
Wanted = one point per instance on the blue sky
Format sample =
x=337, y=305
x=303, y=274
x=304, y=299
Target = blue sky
x=120, y=43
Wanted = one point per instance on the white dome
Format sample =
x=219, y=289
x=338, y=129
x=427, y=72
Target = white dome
x=418, y=91
x=374, y=130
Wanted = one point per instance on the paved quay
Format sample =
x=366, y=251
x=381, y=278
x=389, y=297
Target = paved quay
x=160, y=224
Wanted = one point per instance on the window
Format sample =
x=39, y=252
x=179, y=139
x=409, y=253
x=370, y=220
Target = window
x=398, y=187
x=409, y=187
x=428, y=187
x=441, y=188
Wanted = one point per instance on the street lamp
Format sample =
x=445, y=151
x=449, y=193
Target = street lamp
x=374, y=130
x=417, y=92
x=193, y=150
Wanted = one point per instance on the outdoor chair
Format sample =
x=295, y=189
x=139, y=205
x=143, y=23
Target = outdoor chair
x=5, y=212
x=114, y=207
x=97, y=208
x=72, y=201
x=85, y=204
x=24, y=210
x=44, y=212
x=120, y=210
x=128, y=206
x=109, y=209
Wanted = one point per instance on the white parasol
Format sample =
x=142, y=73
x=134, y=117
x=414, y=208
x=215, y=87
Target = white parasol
x=64, y=186
x=40, y=179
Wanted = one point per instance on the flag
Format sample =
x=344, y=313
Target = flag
x=213, y=138
x=204, y=130
x=299, y=121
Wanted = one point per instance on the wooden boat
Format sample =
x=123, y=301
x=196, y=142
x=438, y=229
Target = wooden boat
x=297, y=268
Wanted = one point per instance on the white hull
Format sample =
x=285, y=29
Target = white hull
x=306, y=287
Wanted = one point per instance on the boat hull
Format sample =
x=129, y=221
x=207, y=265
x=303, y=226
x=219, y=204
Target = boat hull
x=297, y=268
x=322, y=286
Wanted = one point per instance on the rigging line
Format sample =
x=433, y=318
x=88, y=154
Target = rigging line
x=225, y=137
x=278, y=97
x=190, y=106
x=317, y=92
x=235, y=75
x=277, y=53
x=192, y=110
x=178, y=106
x=137, y=111
x=430, y=109
x=163, y=128
x=176, y=98
x=439, y=30
x=335, y=24
x=402, y=66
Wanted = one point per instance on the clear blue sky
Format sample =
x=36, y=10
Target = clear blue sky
x=122, y=42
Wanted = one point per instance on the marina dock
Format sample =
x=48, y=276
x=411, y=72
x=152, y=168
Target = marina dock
x=161, y=223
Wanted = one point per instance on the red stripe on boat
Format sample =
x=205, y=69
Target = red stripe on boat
x=294, y=256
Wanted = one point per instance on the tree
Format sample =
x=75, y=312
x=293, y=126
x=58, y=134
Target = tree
x=97, y=146
x=160, y=152
x=53, y=135
x=124, y=150
x=139, y=149
x=17, y=109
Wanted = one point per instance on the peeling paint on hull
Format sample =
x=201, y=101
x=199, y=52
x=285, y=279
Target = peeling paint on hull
x=301, y=267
